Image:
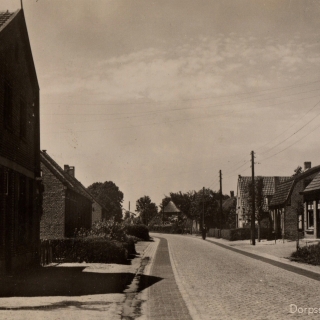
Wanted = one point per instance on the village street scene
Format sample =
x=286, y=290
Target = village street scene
x=159, y=159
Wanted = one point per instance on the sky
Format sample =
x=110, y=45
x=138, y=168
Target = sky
x=158, y=96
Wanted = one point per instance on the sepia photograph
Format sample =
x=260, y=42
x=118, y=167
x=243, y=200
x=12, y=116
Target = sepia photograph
x=159, y=159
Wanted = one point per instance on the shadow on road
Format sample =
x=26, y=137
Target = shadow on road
x=68, y=281
x=63, y=281
x=147, y=281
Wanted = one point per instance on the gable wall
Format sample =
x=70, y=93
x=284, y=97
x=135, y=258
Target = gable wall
x=78, y=213
x=291, y=210
x=15, y=71
x=52, y=223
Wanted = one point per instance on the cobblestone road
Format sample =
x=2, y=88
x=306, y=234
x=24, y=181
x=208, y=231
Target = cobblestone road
x=217, y=283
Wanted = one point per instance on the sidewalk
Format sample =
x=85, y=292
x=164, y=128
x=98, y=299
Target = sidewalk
x=163, y=300
x=278, y=251
x=70, y=290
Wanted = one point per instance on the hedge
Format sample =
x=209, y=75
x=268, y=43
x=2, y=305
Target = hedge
x=138, y=230
x=167, y=228
x=94, y=250
x=309, y=254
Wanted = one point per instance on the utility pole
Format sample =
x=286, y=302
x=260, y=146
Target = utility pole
x=253, y=214
x=221, y=213
x=203, y=208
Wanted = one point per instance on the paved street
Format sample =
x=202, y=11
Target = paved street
x=217, y=283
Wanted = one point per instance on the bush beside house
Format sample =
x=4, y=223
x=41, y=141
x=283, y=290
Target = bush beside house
x=140, y=231
x=308, y=254
x=90, y=250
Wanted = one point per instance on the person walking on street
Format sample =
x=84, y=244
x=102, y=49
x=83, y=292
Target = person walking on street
x=204, y=232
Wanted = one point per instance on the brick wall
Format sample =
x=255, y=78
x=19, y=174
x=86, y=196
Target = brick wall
x=78, y=213
x=291, y=217
x=52, y=223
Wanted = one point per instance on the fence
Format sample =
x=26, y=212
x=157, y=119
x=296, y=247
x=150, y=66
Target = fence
x=46, y=252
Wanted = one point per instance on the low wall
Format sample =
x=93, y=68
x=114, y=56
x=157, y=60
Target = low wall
x=237, y=234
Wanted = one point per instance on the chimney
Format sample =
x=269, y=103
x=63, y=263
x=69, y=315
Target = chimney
x=69, y=169
x=231, y=194
x=307, y=165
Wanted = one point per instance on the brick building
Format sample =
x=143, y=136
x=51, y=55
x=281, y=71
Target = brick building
x=66, y=205
x=269, y=188
x=310, y=222
x=287, y=204
x=99, y=212
x=19, y=146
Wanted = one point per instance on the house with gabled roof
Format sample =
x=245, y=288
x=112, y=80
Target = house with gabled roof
x=294, y=204
x=99, y=212
x=67, y=205
x=269, y=187
x=20, y=186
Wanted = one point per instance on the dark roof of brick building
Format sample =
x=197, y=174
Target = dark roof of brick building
x=230, y=203
x=5, y=17
x=284, y=189
x=69, y=181
x=282, y=193
x=314, y=184
x=269, y=186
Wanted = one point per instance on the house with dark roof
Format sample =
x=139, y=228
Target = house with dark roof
x=99, y=212
x=295, y=206
x=67, y=205
x=269, y=188
x=170, y=211
x=311, y=217
x=20, y=186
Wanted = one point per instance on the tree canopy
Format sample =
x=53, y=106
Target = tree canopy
x=109, y=195
x=193, y=203
x=146, y=208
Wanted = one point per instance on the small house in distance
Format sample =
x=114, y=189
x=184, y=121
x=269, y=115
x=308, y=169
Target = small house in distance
x=66, y=205
x=170, y=211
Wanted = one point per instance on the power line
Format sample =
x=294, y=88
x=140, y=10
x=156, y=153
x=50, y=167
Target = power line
x=191, y=99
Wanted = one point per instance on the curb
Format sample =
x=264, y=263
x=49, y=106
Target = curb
x=273, y=260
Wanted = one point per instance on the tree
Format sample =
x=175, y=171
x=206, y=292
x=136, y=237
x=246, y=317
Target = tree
x=109, y=195
x=146, y=208
x=260, y=211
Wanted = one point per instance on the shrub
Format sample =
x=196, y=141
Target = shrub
x=107, y=229
x=308, y=254
x=94, y=250
x=138, y=230
x=167, y=228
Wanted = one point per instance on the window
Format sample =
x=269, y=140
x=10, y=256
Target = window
x=8, y=104
x=22, y=210
x=23, y=118
x=310, y=215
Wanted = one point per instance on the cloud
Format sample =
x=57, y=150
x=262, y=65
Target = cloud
x=208, y=67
